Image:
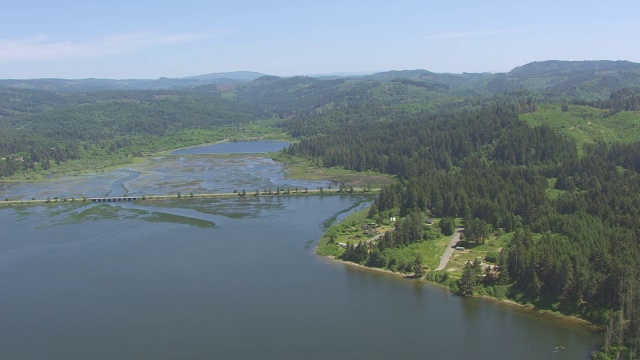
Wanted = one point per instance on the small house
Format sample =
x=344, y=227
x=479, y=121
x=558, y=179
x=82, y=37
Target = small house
x=430, y=221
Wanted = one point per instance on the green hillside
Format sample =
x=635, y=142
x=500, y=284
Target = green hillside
x=586, y=80
x=39, y=128
x=588, y=125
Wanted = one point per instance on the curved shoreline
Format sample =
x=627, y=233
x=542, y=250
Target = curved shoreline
x=505, y=302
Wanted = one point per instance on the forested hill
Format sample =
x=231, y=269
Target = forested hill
x=74, y=120
x=384, y=95
x=73, y=111
x=556, y=67
x=586, y=80
x=39, y=129
x=572, y=220
x=91, y=85
x=418, y=145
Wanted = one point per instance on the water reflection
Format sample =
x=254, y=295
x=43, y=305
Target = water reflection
x=73, y=273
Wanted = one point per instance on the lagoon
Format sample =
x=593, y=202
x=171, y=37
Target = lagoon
x=165, y=175
x=232, y=279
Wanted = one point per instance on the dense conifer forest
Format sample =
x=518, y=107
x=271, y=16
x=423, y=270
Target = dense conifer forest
x=547, y=154
x=576, y=252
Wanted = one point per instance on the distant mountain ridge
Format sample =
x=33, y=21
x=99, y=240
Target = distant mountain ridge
x=537, y=68
x=92, y=85
x=587, y=80
x=235, y=75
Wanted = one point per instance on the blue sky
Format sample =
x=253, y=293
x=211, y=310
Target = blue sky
x=150, y=39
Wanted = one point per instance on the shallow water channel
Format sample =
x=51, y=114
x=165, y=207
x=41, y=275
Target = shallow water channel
x=208, y=169
x=233, y=279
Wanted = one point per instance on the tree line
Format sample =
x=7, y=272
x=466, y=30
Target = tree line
x=626, y=99
x=575, y=251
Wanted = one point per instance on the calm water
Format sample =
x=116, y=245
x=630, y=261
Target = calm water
x=232, y=279
x=240, y=147
x=183, y=280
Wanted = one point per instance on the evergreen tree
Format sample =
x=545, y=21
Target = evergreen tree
x=417, y=267
x=468, y=282
x=447, y=226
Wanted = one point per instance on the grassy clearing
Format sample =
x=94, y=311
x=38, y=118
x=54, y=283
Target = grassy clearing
x=432, y=251
x=588, y=125
x=349, y=231
x=298, y=168
x=492, y=245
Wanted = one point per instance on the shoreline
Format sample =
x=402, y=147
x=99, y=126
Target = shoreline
x=167, y=152
x=364, y=267
x=541, y=312
x=223, y=141
x=503, y=302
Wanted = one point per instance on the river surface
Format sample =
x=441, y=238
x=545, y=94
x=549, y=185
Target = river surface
x=234, y=279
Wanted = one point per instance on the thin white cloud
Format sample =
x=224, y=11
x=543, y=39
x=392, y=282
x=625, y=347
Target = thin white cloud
x=39, y=48
x=465, y=34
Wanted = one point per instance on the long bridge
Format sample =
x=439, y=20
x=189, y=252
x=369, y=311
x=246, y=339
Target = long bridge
x=112, y=199
x=115, y=199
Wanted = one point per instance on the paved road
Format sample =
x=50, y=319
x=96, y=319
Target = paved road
x=444, y=260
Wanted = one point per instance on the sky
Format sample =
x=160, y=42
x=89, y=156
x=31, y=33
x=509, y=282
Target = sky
x=151, y=39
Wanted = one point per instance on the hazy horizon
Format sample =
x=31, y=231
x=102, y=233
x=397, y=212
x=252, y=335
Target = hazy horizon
x=141, y=40
x=339, y=74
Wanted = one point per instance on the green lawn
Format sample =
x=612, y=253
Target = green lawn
x=432, y=250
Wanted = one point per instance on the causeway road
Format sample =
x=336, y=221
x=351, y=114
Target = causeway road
x=444, y=260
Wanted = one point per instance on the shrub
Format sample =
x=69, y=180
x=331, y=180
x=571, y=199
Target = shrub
x=492, y=257
x=497, y=291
